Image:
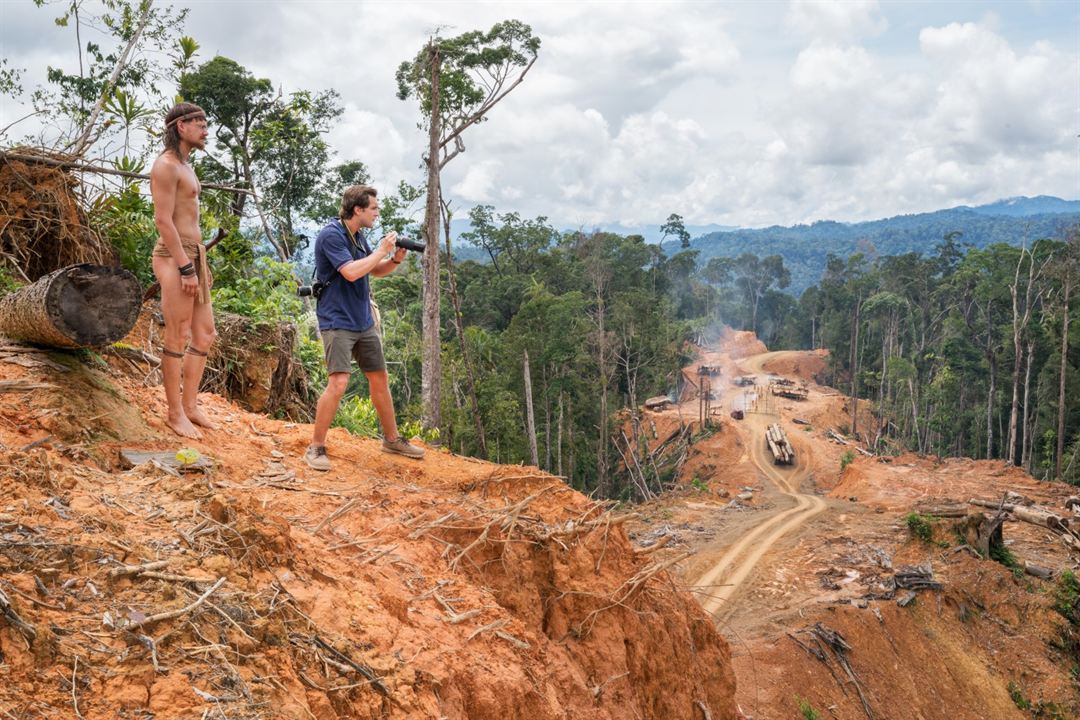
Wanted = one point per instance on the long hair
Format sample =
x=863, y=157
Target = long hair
x=181, y=111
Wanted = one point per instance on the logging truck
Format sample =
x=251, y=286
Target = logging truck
x=777, y=443
x=788, y=389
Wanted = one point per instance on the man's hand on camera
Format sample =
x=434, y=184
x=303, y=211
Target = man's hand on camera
x=388, y=243
x=399, y=255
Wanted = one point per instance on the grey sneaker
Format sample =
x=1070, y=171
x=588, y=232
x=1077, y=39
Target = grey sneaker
x=401, y=446
x=316, y=458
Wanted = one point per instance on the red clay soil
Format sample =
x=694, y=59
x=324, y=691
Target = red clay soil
x=385, y=588
x=990, y=640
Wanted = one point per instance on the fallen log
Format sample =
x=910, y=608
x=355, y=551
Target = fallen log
x=1035, y=516
x=73, y=307
x=1038, y=571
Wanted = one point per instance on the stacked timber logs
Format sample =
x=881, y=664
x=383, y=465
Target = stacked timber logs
x=73, y=307
x=778, y=445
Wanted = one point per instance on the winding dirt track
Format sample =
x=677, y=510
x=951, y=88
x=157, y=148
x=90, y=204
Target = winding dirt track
x=724, y=579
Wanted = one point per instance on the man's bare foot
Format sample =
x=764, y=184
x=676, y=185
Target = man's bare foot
x=198, y=417
x=182, y=426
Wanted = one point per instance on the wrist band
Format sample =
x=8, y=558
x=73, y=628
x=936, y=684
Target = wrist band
x=396, y=262
x=187, y=270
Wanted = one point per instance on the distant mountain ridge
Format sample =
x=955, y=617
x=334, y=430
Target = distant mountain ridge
x=806, y=247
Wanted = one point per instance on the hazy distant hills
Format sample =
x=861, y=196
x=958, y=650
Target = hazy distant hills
x=805, y=247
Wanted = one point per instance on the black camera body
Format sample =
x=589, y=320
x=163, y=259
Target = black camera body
x=313, y=290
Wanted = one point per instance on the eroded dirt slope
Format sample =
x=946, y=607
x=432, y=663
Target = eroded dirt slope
x=810, y=598
x=386, y=588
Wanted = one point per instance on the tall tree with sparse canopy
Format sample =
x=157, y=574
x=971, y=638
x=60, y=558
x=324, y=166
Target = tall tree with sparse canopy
x=675, y=228
x=457, y=82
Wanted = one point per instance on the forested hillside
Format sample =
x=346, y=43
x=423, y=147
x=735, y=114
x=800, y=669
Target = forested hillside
x=806, y=247
x=963, y=353
x=954, y=322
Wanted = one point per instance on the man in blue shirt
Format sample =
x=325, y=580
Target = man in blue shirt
x=343, y=264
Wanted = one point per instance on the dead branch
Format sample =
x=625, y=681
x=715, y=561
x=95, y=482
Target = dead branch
x=452, y=616
x=12, y=617
x=346, y=507
x=177, y=613
x=138, y=569
x=364, y=670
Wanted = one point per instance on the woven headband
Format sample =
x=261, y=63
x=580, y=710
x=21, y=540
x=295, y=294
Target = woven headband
x=194, y=114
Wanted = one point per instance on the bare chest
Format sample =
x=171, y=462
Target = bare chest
x=188, y=187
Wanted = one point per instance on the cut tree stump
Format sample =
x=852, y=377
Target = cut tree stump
x=130, y=457
x=73, y=307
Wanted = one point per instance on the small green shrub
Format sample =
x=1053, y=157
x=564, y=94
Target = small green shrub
x=1003, y=555
x=1067, y=597
x=1018, y=697
x=807, y=710
x=921, y=526
x=699, y=484
x=846, y=459
x=357, y=415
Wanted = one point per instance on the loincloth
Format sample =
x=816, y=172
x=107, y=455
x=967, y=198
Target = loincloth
x=197, y=253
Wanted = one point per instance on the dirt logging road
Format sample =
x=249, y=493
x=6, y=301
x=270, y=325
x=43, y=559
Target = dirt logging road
x=720, y=583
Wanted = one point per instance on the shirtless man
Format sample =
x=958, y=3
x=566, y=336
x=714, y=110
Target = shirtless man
x=179, y=262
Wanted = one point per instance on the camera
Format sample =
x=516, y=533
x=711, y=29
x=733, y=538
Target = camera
x=313, y=290
x=410, y=244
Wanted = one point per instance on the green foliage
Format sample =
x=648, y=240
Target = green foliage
x=8, y=281
x=126, y=219
x=1067, y=597
x=920, y=526
x=806, y=709
x=69, y=98
x=266, y=293
x=310, y=353
x=357, y=415
x=846, y=459
x=470, y=65
x=1000, y=553
x=675, y=228
x=275, y=145
x=699, y=484
x=1018, y=697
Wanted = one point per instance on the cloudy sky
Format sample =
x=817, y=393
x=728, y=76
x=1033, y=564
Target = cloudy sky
x=737, y=113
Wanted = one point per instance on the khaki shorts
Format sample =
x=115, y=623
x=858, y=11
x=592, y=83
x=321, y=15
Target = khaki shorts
x=342, y=346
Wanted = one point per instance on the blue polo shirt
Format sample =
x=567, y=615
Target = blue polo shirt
x=343, y=305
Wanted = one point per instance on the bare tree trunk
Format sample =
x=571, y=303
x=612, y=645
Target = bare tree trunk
x=1061, y=380
x=570, y=439
x=558, y=439
x=547, y=426
x=1019, y=325
x=990, y=407
x=432, y=361
x=855, y=369
x=1025, y=445
x=602, y=440
x=470, y=377
x=530, y=424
